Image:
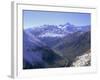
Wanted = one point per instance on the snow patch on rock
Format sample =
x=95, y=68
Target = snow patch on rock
x=83, y=60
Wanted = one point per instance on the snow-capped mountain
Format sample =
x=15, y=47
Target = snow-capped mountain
x=57, y=30
x=55, y=33
x=44, y=46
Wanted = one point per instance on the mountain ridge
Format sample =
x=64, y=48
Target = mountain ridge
x=57, y=49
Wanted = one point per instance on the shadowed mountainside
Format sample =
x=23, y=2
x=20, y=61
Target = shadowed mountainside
x=71, y=47
x=50, y=46
x=38, y=55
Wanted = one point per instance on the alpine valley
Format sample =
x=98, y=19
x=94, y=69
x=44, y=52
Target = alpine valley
x=53, y=46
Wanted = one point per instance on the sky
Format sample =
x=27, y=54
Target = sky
x=38, y=18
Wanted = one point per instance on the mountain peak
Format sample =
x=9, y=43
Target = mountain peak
x=68, y=24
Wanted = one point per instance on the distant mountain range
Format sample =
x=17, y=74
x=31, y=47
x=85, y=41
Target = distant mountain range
x=57, y=31
x=54, y=46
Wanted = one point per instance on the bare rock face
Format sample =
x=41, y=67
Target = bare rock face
x=83, y=60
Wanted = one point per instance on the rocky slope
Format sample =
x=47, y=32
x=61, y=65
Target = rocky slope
x=83, y=60
x=51, y=46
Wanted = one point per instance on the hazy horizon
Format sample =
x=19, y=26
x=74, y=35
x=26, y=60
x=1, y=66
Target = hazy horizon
x=38, y=18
